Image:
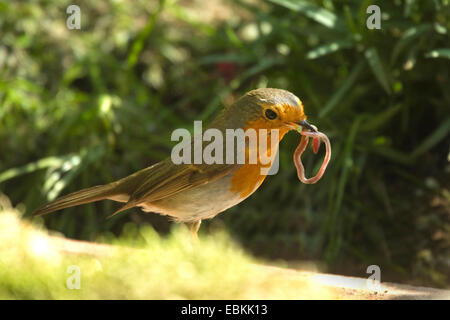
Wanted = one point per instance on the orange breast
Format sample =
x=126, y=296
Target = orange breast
x=248, y=177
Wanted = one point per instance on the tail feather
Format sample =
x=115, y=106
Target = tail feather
x=79, y=197
x=126, y=206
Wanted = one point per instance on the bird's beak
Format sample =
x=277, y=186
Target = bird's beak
x=305, y=124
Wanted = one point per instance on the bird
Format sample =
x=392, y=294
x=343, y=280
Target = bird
x=192, y=192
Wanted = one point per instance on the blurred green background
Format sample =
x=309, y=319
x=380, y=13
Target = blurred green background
x=84, y=107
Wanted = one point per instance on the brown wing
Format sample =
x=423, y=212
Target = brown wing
x=167, y=179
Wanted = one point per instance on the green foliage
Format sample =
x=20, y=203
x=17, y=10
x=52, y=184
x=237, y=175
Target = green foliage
x=84, y=107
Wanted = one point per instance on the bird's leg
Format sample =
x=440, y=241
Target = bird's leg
x=193, y=227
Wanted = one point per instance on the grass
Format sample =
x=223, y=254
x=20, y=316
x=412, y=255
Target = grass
x=141, y=265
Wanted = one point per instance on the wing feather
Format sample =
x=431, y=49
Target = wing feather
x=168, y=179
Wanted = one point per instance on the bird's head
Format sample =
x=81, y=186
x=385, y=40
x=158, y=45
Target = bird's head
x=269, y=108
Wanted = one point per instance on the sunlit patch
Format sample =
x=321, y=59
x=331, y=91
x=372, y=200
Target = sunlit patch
x=39, y=245
x=343, y=282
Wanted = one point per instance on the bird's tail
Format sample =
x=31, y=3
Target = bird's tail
x=79, y=197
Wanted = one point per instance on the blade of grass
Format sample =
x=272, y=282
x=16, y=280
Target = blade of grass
x=336, y=238
x=232, y=57
x=320, y=15
x=74, y=165
x=362, y=15
x=394, y=155
x=408, y=8
x=345, y=87
x=378, y=69
x=234, y=39
x=329, y=48
x=440, y=133
x=438, y=53
x=34, y=166
x=439, y=28
x=349, y=19
x=138, y=44
x=381, y=118
x=407, y=37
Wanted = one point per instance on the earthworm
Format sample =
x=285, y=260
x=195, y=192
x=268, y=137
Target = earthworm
x=317, y=136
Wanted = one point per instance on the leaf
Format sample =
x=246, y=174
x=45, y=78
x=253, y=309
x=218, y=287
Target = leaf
x=437, y=5
x=381, y=118
x=362, y=14
x=234, y=39
x=339, y=94
x=328, y=48
x=320, y=15
x=34, y=166
x=377, y=67
x=347, y=164
x=74, y=166
x=439, y=28
x=408, y=8
x=335, y=239
x=438, y=53
x=138, y=44
x=440, y=133
x=228, y=57
x=407, y=159
x=349, y=19
x=394, y=155
x=407, y=37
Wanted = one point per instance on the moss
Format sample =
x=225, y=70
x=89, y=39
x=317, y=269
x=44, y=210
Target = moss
x=34, y=265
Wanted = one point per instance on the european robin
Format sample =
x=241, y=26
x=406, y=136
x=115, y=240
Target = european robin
x=190, y=193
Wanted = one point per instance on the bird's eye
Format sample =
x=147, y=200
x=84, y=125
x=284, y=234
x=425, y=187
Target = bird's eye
x=270, y=114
